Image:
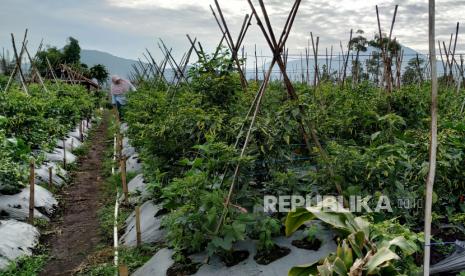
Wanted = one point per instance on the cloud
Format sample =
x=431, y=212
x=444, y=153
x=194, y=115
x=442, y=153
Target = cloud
x=127, y=27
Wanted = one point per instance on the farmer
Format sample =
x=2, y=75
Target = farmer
x=119, y=88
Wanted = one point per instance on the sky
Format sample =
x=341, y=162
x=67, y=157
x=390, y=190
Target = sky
x=126, y=27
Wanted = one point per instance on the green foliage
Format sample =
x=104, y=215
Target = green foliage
x=365, y=247
x=266, y=228
x=99, y=72
x=186, y=137
x=54, y=56
x=35, y=121
x=137, y=256
x=414, y=71
x=105, y=269
x=215, y=79
x=72, y=51
x=25, y=266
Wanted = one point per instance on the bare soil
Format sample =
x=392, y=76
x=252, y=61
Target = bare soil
x=266, y=258
x=75, y=232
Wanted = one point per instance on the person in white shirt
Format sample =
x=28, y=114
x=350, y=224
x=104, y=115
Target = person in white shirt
x=119, y=88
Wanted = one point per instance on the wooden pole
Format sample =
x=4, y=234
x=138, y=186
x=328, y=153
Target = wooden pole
x=18, y=62
x=81, y=132
x=123, y=178
x=347, y=59
x=138, y=228
x=50, y=177
x=31, y=191
x=123, y=270
x=64, y=152
x=433, y=137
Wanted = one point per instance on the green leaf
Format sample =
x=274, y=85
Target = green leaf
x=304, y=270
x=382, y=256
x=297, y=218
x=357, y=242
x=407, y=247
x=375, y=135
x=339, y=267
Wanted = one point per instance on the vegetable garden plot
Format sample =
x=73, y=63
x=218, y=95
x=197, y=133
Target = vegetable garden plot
x=30, y=127
x=185, y=140
x=209, y=146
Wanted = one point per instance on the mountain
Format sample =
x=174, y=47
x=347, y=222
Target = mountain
x=115, y=65
x=296, y=66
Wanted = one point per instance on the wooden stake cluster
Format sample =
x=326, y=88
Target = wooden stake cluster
x=277, y=47
x=449, y=61
x=233, y=46
x=386, y=55
x=18, y=69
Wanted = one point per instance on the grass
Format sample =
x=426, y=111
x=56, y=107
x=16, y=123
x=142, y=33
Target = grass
x=26, y=266
x=101, y=263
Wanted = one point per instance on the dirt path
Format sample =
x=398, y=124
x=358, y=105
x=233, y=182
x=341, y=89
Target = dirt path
x=77, y=229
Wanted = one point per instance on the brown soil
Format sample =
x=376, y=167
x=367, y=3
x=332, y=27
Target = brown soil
x=76, y=231
x=306, y=244
x=265, y=258
x=235, y=257
x=183, y=269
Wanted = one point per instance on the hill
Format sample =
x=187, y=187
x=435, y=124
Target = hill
x=115, y=65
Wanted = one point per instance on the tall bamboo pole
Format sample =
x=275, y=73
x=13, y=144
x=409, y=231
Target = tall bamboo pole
x=433, y=137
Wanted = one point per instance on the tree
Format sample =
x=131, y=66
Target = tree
x=414, y=71
x=72, y=52
x=388, y=48
x=99, y=72
x=53, y=55
x=374, y=65
x=358, y=44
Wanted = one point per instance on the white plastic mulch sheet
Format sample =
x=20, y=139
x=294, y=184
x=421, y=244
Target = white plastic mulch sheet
x=137, y=190
x=42, y=173
x=128, y=150
x=453, y=263
x=150, y=226
x=133, y=164
x=160, y=262
x=57, y=155
x=17, y=206
x=17, y=240
x=71, y=143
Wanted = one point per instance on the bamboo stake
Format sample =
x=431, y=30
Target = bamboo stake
x=15, y=69
x=138, y=227
x=31, y=191
x=315, y=57
x=64, y=153
x=433, y=141
x=81, y=131
x=34, y=69
x=124, y=179
x=50, y=177
x=18, y=62
x=442, y=59
x=123, y=270
x=330, y=61
x=256, y=64
x=51, y=70
x=346, y=59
